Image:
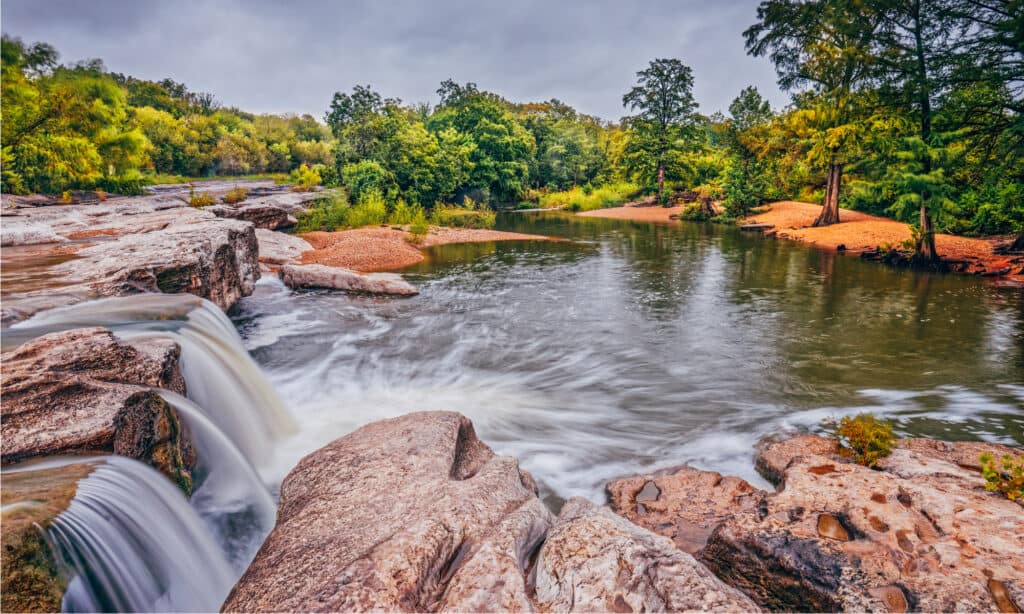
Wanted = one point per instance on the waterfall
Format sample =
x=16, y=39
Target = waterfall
x=133, y=544
x=221, y=377
x=230, y=496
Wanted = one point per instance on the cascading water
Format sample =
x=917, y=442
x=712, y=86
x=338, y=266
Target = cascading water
x=133, y=544
x=221, y=377
x=230, y=497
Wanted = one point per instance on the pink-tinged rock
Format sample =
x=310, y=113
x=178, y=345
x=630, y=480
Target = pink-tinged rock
x=336, y=278
x=774, y=454
x=409, y=514
x=82, y=391
x=267, y=216
x=277, y=248
x=919, y=533
x=662, y=503
x=595, y=561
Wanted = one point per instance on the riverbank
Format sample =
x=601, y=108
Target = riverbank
x=373, y=249
x=859, y=232
x=638, y=213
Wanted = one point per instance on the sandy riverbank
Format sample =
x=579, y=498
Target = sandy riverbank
x=859, y=232
x=384, y=249
x=637, y=213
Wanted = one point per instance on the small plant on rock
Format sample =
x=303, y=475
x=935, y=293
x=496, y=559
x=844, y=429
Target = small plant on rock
x=203, y=199
x=865, y=438
x=1006, y=477
x=235, y=195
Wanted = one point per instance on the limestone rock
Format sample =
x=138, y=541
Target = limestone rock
x=336, y=278
x=277, y=248
x=595, y=561
x=919, y=533
x=270, y=217
x=410, y=514
x=83, y=391
x=662, y=503
x=774, y=454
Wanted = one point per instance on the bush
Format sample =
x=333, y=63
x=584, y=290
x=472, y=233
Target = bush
x=1007, y=479
x=418, y=226
x=584, y=199
x=469, y=215
x=865, y=437
x=365, y=176
x=203, y=199
x=370, y=210
x=235, y=195
x=327, y=213
x=402, y=213
x=304, y=178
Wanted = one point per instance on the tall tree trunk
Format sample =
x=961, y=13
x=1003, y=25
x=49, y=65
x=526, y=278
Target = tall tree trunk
x=661, y=183
x=830, y=209
x=925, y=249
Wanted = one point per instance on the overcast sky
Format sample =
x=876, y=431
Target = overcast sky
x=276, y=56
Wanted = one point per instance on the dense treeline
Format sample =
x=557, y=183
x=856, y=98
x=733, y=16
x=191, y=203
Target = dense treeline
x=905, y=108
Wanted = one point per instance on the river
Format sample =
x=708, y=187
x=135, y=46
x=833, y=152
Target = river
x=632, y=346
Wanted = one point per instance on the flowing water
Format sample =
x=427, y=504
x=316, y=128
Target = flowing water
x=131, y=543
x=623, y=348
x=636, y=346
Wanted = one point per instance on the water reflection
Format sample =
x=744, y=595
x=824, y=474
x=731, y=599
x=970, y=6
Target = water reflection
x=638, y=345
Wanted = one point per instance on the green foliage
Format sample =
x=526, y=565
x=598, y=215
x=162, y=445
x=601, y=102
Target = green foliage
x=369, y=210
x=326, y=213
x=418, y=226
x=580, y=199
x=235, y=195
x=469, y=215
x=1006, y=477
x=364, y=177
x=304, y=178
x=865, y=437
x=403, y=213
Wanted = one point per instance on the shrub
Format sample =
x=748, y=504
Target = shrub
x=326, y=213
x=402, y=213
x=102, y=195
x=1007, y=477
x=865, y=437
x=469, y=215
x=370, y=210
x=235, y=195
x=304, y=178
x=418, y=226
x=66, y=198
x=203, y=199
x=584, y=199
x=364, y=176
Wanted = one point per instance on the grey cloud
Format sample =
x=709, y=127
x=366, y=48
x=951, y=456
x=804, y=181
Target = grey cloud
x=275, y=56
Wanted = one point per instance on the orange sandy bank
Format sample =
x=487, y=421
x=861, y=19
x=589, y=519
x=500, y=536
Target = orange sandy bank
x=860, y=232
x=384, y=248
x=636, y=212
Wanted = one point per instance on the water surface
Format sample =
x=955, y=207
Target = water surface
x=635, y=346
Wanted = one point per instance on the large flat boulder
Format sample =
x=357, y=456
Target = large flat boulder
x=337, y=278
x=277, y=248
x=83, y=391
x=262, y=215
x=409, y=514
x=918, y=532
x=122, y=246
x=596, y=561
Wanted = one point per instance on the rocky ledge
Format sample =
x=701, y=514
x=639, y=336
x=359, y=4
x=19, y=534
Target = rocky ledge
x=85, y=392
x=61, y=254
x=417, y=514
x=920, y=533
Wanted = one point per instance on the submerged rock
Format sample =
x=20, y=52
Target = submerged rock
x=595, y=561
x=410, y=514
x=336, y=278
x=83, y=391
x=31, y=579
x=919, y=533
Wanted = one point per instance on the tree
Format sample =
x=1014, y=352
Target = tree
x=743, y=137
x=665, y=108
x=822, y=47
